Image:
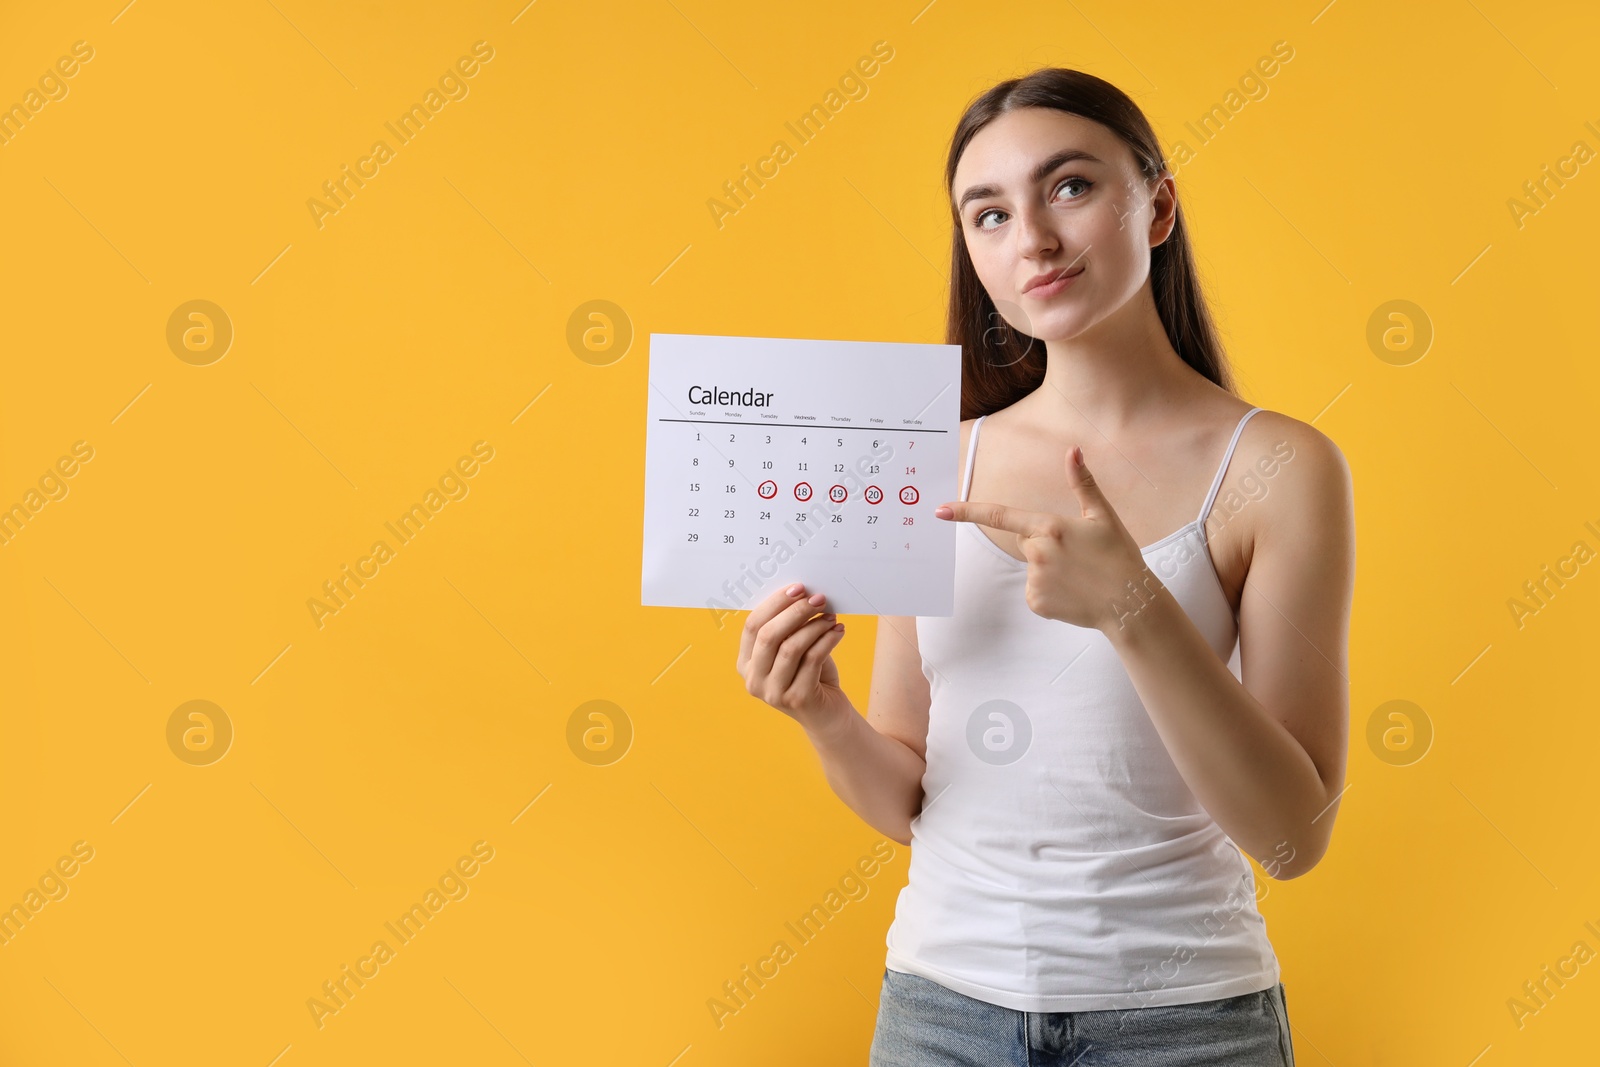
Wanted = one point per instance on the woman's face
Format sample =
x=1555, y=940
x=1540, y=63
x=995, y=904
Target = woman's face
x=1090, y=218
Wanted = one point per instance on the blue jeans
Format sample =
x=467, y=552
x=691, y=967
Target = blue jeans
x=923, y=1024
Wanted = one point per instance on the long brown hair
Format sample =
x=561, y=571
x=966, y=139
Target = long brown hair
x=999, y=364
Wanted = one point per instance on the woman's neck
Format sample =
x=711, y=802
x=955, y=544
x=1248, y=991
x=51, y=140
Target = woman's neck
x=1117, y=375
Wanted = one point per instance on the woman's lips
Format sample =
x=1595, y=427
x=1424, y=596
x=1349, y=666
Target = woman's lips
x=1049, y=289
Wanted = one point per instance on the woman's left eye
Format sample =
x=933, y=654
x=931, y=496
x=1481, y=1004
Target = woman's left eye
x=1077, y=181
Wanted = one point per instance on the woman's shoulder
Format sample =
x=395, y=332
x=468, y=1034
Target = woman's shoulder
x=1283, y=436
x=1298, y=474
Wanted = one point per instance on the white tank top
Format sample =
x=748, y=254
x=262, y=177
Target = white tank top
x=1060, y=862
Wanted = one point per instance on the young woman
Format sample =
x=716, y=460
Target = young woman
x=1145, y=673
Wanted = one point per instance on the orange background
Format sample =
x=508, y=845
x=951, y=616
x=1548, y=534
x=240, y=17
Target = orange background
x=370, y=754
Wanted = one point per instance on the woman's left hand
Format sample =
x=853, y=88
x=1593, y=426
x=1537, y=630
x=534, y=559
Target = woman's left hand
x=1085, y=570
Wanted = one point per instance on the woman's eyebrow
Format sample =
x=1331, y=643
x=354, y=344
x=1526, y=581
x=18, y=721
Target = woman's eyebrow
x=1038, y=172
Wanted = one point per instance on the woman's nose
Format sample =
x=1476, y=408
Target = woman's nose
x=1035, y=232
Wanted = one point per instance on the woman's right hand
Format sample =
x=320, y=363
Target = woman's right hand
x=787, y=661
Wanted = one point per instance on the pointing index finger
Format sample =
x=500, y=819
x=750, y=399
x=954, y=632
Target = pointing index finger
x=998, y=516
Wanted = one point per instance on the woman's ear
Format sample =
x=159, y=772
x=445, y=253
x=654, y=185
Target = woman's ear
x=1164, y=204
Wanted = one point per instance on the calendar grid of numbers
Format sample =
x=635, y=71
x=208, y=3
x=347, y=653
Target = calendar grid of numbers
x=775, y=460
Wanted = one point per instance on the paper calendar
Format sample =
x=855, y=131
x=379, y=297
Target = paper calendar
x=775, y=460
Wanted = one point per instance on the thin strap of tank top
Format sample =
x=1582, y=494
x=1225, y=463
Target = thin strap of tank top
x=1216, y=483
x=972, y=454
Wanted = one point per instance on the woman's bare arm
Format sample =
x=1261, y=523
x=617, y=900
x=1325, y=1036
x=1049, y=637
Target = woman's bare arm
x=875, y=764
x=1265, y=753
